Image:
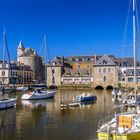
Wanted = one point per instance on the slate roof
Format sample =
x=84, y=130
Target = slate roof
x=105, y=60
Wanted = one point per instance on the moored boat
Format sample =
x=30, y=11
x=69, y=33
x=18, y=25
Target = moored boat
x=5, y=101
x=38, y=94
x=74, y=104
x=87, y=97
x=125, y=126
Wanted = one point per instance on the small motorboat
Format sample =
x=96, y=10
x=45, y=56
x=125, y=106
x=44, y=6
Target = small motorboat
x=87, y=97
x=74, y=104
x=38, y=94
x=7, y=103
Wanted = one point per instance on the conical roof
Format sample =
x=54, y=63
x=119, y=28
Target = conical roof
x=20, y=46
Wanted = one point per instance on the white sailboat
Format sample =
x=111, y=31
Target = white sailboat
x=124, y=126
x=39, y=93
x=5, y=101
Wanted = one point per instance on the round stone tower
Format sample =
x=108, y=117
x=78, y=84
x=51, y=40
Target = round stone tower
x=29, y=56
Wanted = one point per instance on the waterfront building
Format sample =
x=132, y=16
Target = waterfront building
x=24, y=74
x=105, y=73
x=127, y=77
x=54, y=71
x=28, y=56
x=15, y=73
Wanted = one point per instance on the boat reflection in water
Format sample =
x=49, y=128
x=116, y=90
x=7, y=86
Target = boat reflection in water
x=36, y=103
x=87, y=103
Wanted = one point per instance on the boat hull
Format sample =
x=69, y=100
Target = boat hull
x=43, y=95
x=107, y=136
x=73, y=104
x=90, y=98
x=4, y=104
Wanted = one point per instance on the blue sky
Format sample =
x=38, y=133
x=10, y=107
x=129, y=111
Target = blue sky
x=72, y=26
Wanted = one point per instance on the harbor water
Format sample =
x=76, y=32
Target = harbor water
x=47, y=120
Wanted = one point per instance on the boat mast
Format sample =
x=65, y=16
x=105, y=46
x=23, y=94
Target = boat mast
x=134, y=47
x=3, y=63
x=45, y=47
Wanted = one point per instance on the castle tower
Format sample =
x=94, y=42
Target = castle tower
x=30, y=57
x=20, y=50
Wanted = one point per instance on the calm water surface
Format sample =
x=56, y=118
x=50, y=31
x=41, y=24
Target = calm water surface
x=45, y=120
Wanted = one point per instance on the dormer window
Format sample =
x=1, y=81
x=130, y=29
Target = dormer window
x=104, y=62
x=80, y=59
x=54, y=63
x=73, y=60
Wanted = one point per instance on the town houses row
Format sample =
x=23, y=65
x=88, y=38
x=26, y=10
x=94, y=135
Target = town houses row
x=96, y=71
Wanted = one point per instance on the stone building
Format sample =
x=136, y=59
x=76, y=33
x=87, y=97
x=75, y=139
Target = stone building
x=127, y=77
x=54, y=72
x=24, y=74
x=15, y=73
x=81, y=62
x=105, y=72
x=28, y=56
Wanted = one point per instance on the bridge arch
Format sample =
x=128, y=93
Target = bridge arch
x=53, y=87
x=109, y=87
x=99, y=88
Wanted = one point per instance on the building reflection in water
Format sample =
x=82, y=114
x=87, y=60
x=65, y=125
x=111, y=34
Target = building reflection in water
x=7, y=122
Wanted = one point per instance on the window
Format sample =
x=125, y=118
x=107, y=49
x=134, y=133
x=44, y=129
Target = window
x=108, y=70
x=104, y=62
x=78, y=66
x=73, y=60
x=130, y=72
x=80, y=59
x=87, y=66
x=123, y=79
x=138, y=80
x=104, y=79
x=138, y=72
x=100, y=70
x=53, y=71
x=130, y=79
x=104, y=70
